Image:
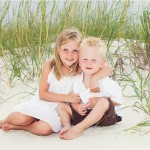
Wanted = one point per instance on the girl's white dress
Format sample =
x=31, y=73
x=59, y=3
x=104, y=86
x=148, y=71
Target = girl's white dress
x=44, y=110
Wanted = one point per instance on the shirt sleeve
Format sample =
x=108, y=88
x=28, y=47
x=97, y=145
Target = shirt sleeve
x=111, y=89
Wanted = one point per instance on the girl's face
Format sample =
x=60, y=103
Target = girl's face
x=69, y=52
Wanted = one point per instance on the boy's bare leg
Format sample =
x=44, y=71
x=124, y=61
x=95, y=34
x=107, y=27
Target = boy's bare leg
x=65, y=114
x=37, y=127
x=16, y=118
x=95, y=115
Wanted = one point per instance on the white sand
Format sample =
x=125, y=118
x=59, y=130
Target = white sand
x=96, y=138
x=105, y=138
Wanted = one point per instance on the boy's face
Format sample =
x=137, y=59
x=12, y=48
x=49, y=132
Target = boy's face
x=90, y=60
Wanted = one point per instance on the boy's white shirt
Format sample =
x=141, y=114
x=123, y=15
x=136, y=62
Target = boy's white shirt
x=108, y=88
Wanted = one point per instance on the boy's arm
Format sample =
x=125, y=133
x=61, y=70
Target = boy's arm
x=105, y=71
x=80, y=108
x=75, y=106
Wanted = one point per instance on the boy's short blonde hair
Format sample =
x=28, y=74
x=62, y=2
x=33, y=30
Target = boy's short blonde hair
x=95, y=42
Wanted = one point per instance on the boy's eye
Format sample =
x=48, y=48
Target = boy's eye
x=84, y=59
x=94, y=60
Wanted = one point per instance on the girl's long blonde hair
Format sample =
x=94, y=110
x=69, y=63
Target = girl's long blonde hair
x=66, y=35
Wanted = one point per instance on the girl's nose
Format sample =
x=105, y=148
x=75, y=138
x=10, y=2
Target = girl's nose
x=70, y=54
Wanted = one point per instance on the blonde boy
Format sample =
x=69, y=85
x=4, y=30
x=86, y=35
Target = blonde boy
x=95, y=108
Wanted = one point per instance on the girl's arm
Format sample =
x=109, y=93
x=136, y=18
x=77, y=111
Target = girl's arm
x=44, y=94
x=105, y=71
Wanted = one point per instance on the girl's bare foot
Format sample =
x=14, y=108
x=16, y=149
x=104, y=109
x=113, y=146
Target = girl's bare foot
x=7, y=127
x=63, y=131
x=74, y=132
x=2, y=122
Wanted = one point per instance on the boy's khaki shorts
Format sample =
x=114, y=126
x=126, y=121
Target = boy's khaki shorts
x=110, y=117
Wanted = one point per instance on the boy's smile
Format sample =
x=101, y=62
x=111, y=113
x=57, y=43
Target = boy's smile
x=90, y=60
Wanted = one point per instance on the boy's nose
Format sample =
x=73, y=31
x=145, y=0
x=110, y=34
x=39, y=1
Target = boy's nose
x=88, y=63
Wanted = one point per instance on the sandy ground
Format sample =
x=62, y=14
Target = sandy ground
x=105, y=138
x=96, y=138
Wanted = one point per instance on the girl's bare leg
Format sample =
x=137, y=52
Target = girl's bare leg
x=16, y=118
x=37, y=127
x=95, y=115
x=2, y=122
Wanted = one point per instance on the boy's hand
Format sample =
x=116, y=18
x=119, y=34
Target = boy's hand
x=73, y=98
x=82, y=109
x=92, y=101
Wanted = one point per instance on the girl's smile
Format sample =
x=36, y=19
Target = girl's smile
x=69, y=53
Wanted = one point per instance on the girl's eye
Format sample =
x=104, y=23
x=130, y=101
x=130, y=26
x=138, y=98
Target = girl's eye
x=64, y=49
x=75, y=51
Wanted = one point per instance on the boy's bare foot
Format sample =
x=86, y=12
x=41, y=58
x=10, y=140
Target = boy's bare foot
x=7, y=127
x=74, y=132
x=63, y=131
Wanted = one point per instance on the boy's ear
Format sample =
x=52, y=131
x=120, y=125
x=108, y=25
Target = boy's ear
x=104, y=63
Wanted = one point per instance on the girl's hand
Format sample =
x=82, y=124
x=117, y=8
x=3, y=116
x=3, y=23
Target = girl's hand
x=72, y=98
x=92, y=101
x=82, y=109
